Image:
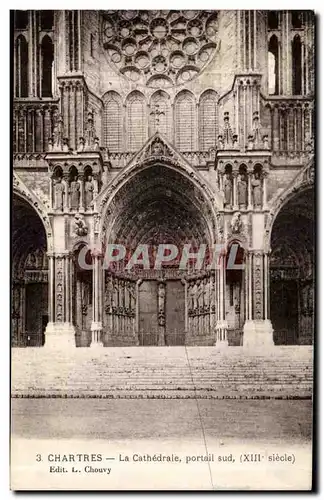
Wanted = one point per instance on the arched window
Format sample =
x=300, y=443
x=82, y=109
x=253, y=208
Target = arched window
x=208, y=120
x=47, y=19
x=273, y=20
x=136, y=121
x=21, y=67
x=273, y=66
x=113, y=122
x=160, y=114
x=47, y=56
x=296, y=66
x=21, y=19
x=185, y=121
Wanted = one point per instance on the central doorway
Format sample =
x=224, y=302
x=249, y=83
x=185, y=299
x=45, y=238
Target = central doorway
x=162, y=313
x=145, y=305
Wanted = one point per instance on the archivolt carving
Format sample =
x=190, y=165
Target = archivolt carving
x=172, y=46
x=158, y=153
x=21, y=190
x=303, y=180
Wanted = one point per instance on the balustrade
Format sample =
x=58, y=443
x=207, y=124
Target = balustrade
x=33, y=125
x=291, y=124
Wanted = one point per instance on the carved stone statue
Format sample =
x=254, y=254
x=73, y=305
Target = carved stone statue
x=242, y=191
x=228, y=189
x=157, y=148
x=75, y=194
x=105, y=176
x=236, y=223
x=58, y=193
x=161, y=304
x=257, y=190
x=88, y=190
x=80, y=228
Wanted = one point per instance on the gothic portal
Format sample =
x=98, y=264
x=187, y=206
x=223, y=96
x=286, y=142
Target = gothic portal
x=190, y=130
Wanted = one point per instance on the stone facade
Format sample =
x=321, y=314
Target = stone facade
x=163, y=127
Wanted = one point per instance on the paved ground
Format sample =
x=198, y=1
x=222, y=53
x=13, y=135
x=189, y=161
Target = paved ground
x=119, y=428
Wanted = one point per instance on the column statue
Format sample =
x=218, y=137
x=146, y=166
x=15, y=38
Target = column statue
x=242, y=191
x=75, y=194
x=257, y=190
x=161, y=304
x=88, y=191
x=58, y=193
x=228, y=186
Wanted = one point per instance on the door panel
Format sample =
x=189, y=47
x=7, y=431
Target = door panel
x=175, y=313
x=148, y=315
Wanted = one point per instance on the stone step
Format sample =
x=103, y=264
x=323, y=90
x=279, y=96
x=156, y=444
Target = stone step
x=162, y=372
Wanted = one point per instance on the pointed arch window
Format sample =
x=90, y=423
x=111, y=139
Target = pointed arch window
x=296, y=66
x=208, y=118
x=113, y=122
x=47, y=57
x=273, y=66
x=185, y=121
x=136, y=121
x=21, y=67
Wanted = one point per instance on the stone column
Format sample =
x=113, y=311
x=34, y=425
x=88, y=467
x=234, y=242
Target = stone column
x=60, y=330
x=221, y=326
x=66, y=199
x=96, y=325
x=276, y=129
x=258, y=331
x=81, y=201
x=235, y=204
x=185, y=284
x=264, y=190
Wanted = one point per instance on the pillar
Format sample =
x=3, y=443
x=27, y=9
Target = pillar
x=60, y=331
x=96, y=325
x=235, y=204
x=258, y=331
x=264, y=190
x=66, y=198
x=81, y=200
x=221, y=325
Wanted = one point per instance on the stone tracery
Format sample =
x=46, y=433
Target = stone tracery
x=172, y=46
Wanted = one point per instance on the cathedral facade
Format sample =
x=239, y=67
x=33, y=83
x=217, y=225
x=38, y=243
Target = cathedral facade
x=149, y=139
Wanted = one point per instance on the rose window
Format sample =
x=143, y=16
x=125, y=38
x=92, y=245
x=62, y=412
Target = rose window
x=160, y=48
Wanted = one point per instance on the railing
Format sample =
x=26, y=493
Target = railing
x=195, y=158
x=33, y=124
x=291, y=124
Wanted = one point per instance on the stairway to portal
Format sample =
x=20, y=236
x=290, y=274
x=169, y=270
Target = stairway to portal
x=163, y=372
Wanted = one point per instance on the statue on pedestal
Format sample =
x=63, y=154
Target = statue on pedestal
x=161, y=304
x=257, y=190
x=58, y=193
x=228, y=186
x=75, y=194
x=88, y=190
x=242, y=191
